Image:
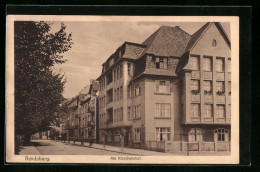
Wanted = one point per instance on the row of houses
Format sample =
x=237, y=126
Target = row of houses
x=172, y=87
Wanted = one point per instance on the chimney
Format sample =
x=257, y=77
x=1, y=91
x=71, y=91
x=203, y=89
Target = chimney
x=177, y=27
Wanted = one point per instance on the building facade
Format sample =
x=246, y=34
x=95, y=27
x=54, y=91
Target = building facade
x=82, y=114
x=174, y=87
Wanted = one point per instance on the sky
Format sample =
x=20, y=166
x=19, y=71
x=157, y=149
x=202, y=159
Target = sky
x=95, y=41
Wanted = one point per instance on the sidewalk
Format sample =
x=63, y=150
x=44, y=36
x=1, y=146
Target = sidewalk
x=131, y=151
x=28, y=150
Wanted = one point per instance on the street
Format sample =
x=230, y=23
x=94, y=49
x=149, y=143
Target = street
x=49, y=147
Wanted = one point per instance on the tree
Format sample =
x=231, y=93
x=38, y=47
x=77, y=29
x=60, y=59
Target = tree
x=38, y=89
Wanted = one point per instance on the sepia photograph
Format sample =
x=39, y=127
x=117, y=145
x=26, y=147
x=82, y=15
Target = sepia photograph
x=122, y=89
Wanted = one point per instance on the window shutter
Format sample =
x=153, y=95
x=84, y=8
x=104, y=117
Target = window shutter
x=140, y=89
x=168, y=87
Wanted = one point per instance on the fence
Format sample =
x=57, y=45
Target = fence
x=180, y=147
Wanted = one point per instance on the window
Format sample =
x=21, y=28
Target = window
x=117, y=94
x=195, y=135
x=137, y=90
x=207, y=64
x=128, y=68
x=207, y=85
x=121, y=92
x=208, y=111
x=129, y=112
x=229, y=65
x=129, y=91
x=137, y=134
x=163, y=134
x=137, y=113
x=195, y=110
x=221, y=135
x=194, y=84
x=118, y=73
x=121, y=114
x=219, y=65
x=162, y=86
x=114, y=75
x=162, y=110
x=220, y=86
x=111, y=62
x=115, y=116
x=195, y=63
x=161, y=63
x=118, y=115
x=214, y=43
x=221, y=111
x=121, y=71
x=229, y=86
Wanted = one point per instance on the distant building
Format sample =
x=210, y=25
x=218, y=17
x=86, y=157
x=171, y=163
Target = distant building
x=174, y=87
x=81, y=116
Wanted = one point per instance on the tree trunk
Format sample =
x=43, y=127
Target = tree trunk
x=27, y=139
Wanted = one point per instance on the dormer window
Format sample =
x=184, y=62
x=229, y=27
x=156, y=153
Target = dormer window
x=161, y=63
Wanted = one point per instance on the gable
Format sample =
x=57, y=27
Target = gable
x=204, y=44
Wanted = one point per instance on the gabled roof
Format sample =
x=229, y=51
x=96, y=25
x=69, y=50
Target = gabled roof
x=167, y=41
x=195, y=37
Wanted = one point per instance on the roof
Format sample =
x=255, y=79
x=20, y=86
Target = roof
x=132, y=51
x=95, y=85
x=85, y=90
x=195, y=37
x=167, y=41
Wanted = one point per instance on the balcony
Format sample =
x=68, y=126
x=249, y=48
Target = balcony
x=220, y=76
x=195, y=98
x=109, y=86
x=207, y=75
x=195, y=74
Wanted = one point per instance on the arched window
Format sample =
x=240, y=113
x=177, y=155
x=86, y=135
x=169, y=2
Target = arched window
x=221, y=135
x=214, y=43
x=195, y=135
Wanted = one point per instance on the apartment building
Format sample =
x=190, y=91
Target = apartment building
x=174, y=86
